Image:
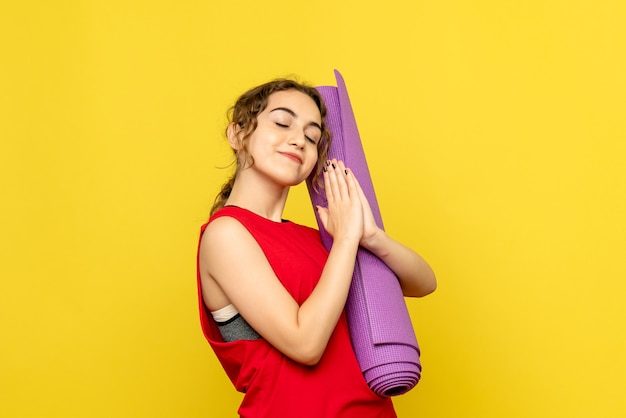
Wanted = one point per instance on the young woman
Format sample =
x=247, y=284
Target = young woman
x=272, y=297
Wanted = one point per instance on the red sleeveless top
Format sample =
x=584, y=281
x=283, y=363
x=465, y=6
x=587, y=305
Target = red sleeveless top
x=274, y=385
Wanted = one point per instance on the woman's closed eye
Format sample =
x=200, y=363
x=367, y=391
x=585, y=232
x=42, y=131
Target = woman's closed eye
x=312, y=135
x=308, y=138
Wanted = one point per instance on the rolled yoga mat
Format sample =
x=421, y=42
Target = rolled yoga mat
x=380, y=327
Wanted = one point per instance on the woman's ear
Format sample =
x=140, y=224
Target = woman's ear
x=235, y=135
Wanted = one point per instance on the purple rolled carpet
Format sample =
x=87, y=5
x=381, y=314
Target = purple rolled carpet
x=380, y=327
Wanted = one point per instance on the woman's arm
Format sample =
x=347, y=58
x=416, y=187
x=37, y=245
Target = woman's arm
x=232, y=260
x=416, y=277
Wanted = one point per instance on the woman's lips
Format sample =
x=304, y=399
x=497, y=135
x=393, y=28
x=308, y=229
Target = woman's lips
x=292, y=156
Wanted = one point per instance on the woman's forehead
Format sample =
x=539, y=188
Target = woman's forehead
x=300, y=103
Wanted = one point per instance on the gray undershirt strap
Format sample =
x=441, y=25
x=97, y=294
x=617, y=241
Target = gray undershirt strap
x=233, y=326
x=237, y=329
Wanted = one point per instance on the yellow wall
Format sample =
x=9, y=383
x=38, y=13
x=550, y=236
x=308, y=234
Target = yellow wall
x=496, y=137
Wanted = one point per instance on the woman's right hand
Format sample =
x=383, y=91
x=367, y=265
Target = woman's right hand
x=343, y=218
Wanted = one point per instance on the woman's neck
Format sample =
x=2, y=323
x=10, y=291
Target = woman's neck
x=265, y=200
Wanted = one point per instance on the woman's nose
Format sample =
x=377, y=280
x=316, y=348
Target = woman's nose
x=297, y=139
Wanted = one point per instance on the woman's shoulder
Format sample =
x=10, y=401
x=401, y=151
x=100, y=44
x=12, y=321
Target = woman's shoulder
x=234, y=223
x=222, y=228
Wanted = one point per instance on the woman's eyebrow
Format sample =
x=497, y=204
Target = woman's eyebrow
x=292, y=113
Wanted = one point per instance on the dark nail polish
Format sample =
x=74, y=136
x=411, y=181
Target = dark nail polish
x=325, y=169
x=327, y=162
x=346, y=171
x=334, y=166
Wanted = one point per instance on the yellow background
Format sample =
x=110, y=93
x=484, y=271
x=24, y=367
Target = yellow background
x=495, y=135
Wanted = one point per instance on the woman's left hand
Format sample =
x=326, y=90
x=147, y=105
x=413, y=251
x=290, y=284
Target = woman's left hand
x=371, y=230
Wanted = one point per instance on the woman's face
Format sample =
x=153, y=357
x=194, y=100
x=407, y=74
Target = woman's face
x=284, y=143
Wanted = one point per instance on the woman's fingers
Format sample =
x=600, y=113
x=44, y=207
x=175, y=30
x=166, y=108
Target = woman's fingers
x=338, y=188
x=344, y=213
x=351, y=181
x=328, y=187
